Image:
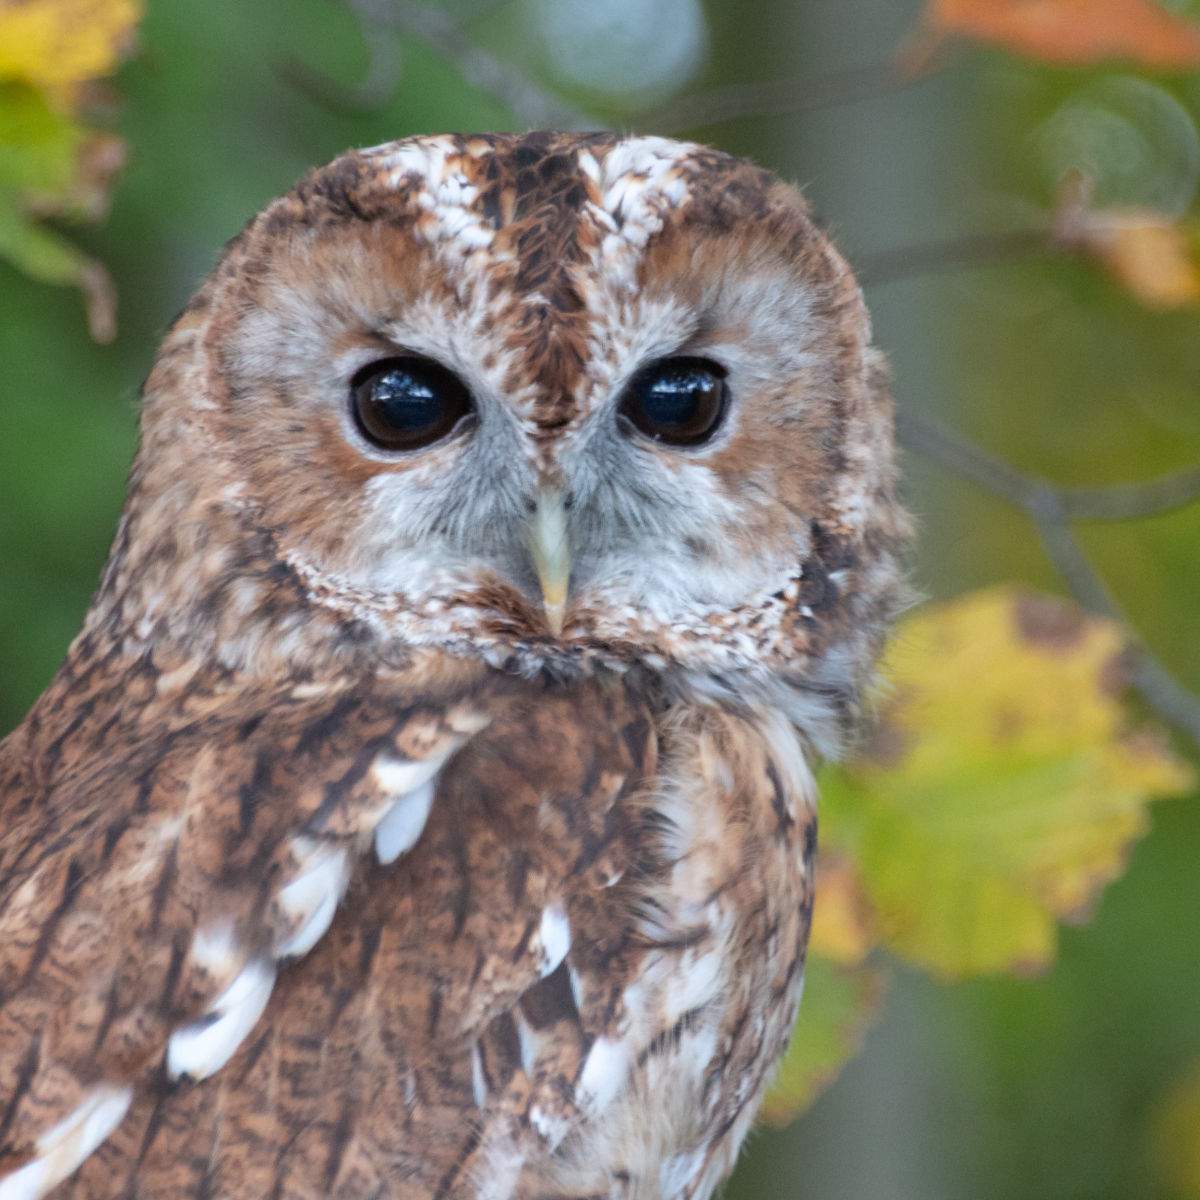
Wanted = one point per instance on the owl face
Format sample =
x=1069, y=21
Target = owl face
x=581, y=393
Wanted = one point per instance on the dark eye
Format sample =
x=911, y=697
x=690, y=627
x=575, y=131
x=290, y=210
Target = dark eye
x=679, y=401
x=407, y=403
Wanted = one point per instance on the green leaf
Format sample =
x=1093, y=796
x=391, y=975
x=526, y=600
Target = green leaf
x=43, y=254
x=38, y=146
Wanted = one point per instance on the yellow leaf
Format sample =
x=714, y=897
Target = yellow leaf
x=839, y=1007
x=1175, y=1139
x=1153, y=262
x=842, y=923
x=51, y=43
x=1001, y=789
x=1074, y=32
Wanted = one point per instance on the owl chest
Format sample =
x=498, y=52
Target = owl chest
x=709, y=1006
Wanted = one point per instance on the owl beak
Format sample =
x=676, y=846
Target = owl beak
x=550, y=549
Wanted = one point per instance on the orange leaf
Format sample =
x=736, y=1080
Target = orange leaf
x=1073, y=31
x=1153, y=263
x=1148, y=253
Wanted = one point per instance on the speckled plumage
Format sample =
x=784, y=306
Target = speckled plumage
x=327, y=869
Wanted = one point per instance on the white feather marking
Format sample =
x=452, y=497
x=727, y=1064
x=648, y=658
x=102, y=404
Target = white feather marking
x=398, y=776
x=604, y=1074
x=576, y=987
x=62, y=1148
x=311, y=899
x=204, y=1047
x=551, y=1127
x=678, y=1171
x=694, y=983
x=554, y=935
x=404, y=823
x=528, y=1040
x=215, y=948
x=478, y=1082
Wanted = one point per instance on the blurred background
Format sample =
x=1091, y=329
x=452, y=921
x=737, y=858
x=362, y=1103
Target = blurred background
x=938, y=188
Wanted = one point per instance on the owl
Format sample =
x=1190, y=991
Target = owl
x=426, y=808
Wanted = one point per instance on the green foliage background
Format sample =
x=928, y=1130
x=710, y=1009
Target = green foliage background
x=992, y=1089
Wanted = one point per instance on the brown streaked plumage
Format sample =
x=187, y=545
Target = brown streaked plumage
x=340, y=858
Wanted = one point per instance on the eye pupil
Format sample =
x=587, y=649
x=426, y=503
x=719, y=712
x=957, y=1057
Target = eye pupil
x=408, y=403
x=679, y=401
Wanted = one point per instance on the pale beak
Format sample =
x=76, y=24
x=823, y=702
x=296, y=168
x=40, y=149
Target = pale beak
x=550, y=550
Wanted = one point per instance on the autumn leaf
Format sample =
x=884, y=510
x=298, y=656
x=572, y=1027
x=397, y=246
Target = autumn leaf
x=843, y=926
x=51, y=165
x=1070, y=32
x=52, y=43
x=838, y=1008
x=1001, y=789
x=1146, y=251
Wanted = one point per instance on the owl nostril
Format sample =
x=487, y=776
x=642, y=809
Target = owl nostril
x=569, y=501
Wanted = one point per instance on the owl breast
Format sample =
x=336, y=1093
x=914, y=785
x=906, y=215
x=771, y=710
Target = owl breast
x=670, y=1087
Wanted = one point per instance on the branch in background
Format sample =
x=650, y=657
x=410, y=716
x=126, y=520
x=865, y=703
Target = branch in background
x=532, y=106
x=778, y=97
x=382, y=20
x=978, y=250
x=1123, y=501
x=385, y=66
x=1051, y=509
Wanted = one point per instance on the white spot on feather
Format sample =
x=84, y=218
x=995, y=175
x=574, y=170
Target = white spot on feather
x=478, y=1082
x=311, y=899
x=404, y=823
x=604, y=1074
x=62, y=1148
x=215, y=948
x=398, y=776
x=678, y=1171
x=528, y=1040
x=204, y=1047
x=551, y=1127
x=554, y=937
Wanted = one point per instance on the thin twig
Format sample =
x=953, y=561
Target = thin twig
x=1051, y=509
x=776, y=97
x=977, y=250
x=1125, y=500
x=384, y=69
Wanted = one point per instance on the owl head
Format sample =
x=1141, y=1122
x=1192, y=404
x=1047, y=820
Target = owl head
x=565, y=402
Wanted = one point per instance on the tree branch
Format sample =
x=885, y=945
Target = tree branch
x=777, y=97
x=382, y=20
x=977, y=250
x=1050, y=509
x=531, y=105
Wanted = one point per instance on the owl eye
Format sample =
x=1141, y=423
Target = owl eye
x=678, y=401
x=407, y=403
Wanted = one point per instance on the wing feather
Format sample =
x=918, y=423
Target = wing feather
x=296, y=934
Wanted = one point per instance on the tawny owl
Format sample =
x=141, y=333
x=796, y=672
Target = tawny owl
x=426, y=808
